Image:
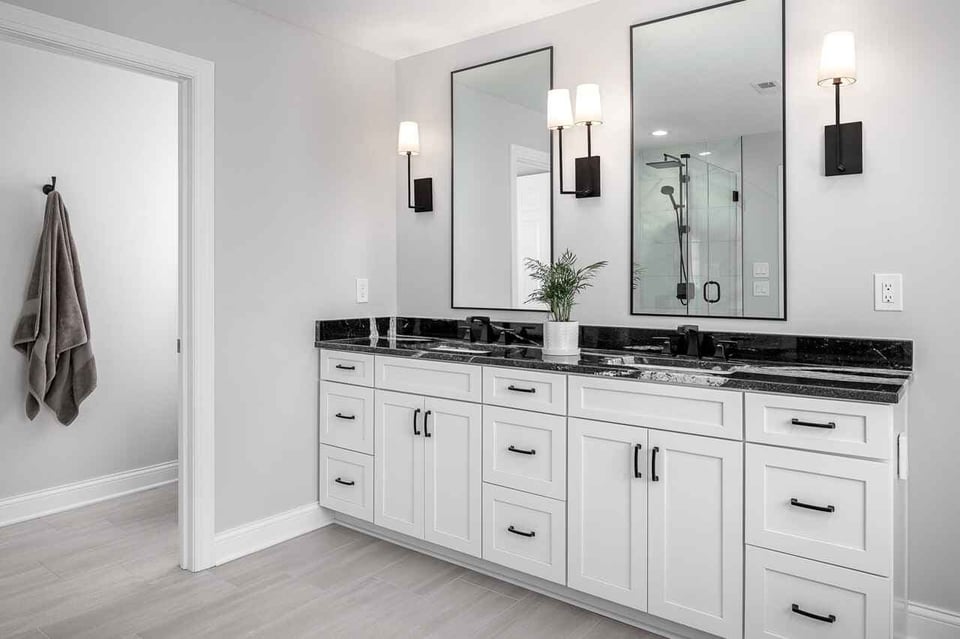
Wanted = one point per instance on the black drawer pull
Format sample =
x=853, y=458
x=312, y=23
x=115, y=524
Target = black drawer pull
x=636, y=461
x=653, y=464
x=514, y=449
x=800, y=504
x=345, y=482
x=426, y=416
x=800, y=611
x=800, y=422
x=342, y=416
x=521, y=390
x=520, y=532
x=346, y=368
x=416, y=414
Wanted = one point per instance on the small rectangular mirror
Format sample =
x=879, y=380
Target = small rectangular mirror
x=708, y=163
x=502, y=180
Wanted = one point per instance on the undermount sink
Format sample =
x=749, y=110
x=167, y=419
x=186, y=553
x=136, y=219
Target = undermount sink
x=689, y=370
x=459, y=349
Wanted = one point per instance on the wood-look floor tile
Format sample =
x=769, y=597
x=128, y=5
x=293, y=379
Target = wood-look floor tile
x=610, y=629
x=142, y=606
x=496, y=585
x=420, y=573
x=539, y=616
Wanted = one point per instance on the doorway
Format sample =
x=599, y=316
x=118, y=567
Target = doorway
x=193, y=78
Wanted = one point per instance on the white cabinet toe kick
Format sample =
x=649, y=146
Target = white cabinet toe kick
x=690, y=512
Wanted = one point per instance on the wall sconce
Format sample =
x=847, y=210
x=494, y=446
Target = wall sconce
x=588, y=113
x=842, y=143
x=408, y=143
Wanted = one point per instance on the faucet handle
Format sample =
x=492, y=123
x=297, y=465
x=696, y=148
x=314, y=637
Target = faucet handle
x=666, y=345
x=725, y=349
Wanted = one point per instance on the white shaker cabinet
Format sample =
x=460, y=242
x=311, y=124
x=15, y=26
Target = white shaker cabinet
x=427, y=469
x=695, y=532
x=607, y=511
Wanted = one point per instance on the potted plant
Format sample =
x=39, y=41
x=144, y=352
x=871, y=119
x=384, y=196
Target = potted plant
x=559, y=284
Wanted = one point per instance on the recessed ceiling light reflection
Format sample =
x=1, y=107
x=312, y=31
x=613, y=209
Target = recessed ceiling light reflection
x=659, y=132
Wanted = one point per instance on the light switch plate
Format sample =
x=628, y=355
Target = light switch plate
x=363, y=290
x=761, y=288
x=761, y=269
x=887, y=292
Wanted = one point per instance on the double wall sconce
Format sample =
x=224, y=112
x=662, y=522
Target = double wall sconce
x=842, y=143
x=408, y=143
x=588, y=113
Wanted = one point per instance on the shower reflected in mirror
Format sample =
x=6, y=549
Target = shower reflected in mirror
x=708, y=198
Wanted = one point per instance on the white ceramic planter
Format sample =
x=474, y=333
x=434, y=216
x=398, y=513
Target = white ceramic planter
x=561, y=338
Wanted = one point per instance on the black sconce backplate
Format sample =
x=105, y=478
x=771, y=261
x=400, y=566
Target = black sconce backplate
x=588, y=176
x=423, y=195
x=851, y=148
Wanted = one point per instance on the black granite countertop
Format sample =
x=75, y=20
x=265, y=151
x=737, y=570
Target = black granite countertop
x=854, y=383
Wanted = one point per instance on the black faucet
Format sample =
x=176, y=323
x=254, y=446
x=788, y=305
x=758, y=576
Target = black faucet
x=481, y=330
x=693, y=343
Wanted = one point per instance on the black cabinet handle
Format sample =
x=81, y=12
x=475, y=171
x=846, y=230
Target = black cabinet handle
x=342, y=416
x=653, y=464
x=800, y=422
x=800, y=504
x=514, y=449
x=521, y=390
x=426, y=416
x=521, y=533
x=345, y=482
x=636, y=461
x=416, y=414
x=346, y=368
x=800, y=611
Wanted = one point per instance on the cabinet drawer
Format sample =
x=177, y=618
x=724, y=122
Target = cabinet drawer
x=700, y=411
x=829, y=508
x=346, y=482
x=780, y=588
x=529, y=390
x=346, y=416
x=525, y=450
x=350, y=368
x=525, y=532
x=437, y=379
x=830, y=426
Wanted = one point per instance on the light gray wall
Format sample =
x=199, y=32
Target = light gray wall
x=305, y=161
x=110, y=137
x=896, y=217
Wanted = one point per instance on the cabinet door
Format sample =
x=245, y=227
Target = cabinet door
x=452, y=475
x=607, y=511
x=696, y=532
x=398, y=459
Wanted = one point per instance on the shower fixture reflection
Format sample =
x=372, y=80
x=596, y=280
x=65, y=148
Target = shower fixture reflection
x=685, y=288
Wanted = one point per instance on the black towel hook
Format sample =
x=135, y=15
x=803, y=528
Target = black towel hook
x=47, y=188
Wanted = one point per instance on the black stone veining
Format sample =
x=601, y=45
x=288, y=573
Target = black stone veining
x=870, y=370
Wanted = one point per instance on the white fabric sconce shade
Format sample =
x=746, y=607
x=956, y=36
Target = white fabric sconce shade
x=838, y=59
x=559, y=114
x=408, y=139
x=588, y=104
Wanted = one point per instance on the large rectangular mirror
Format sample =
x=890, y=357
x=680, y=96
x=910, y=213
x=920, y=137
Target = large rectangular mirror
x=708, y=163
x=502, y=177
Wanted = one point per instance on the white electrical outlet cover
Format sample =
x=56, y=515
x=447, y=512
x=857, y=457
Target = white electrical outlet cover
x=888, y=291
x=761, y=288
x=761, y=269
x=363, y=290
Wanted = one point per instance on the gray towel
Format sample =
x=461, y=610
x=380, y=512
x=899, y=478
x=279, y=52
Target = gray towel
x=54, y=330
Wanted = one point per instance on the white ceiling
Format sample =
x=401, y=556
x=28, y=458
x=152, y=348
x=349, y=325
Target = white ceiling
x=399, y=29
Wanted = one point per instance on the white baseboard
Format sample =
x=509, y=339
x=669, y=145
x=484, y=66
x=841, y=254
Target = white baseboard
x=269, y=531
x=927, y=622
x=82, y=493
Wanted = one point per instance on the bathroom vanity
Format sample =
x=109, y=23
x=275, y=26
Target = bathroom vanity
x=689, y=497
